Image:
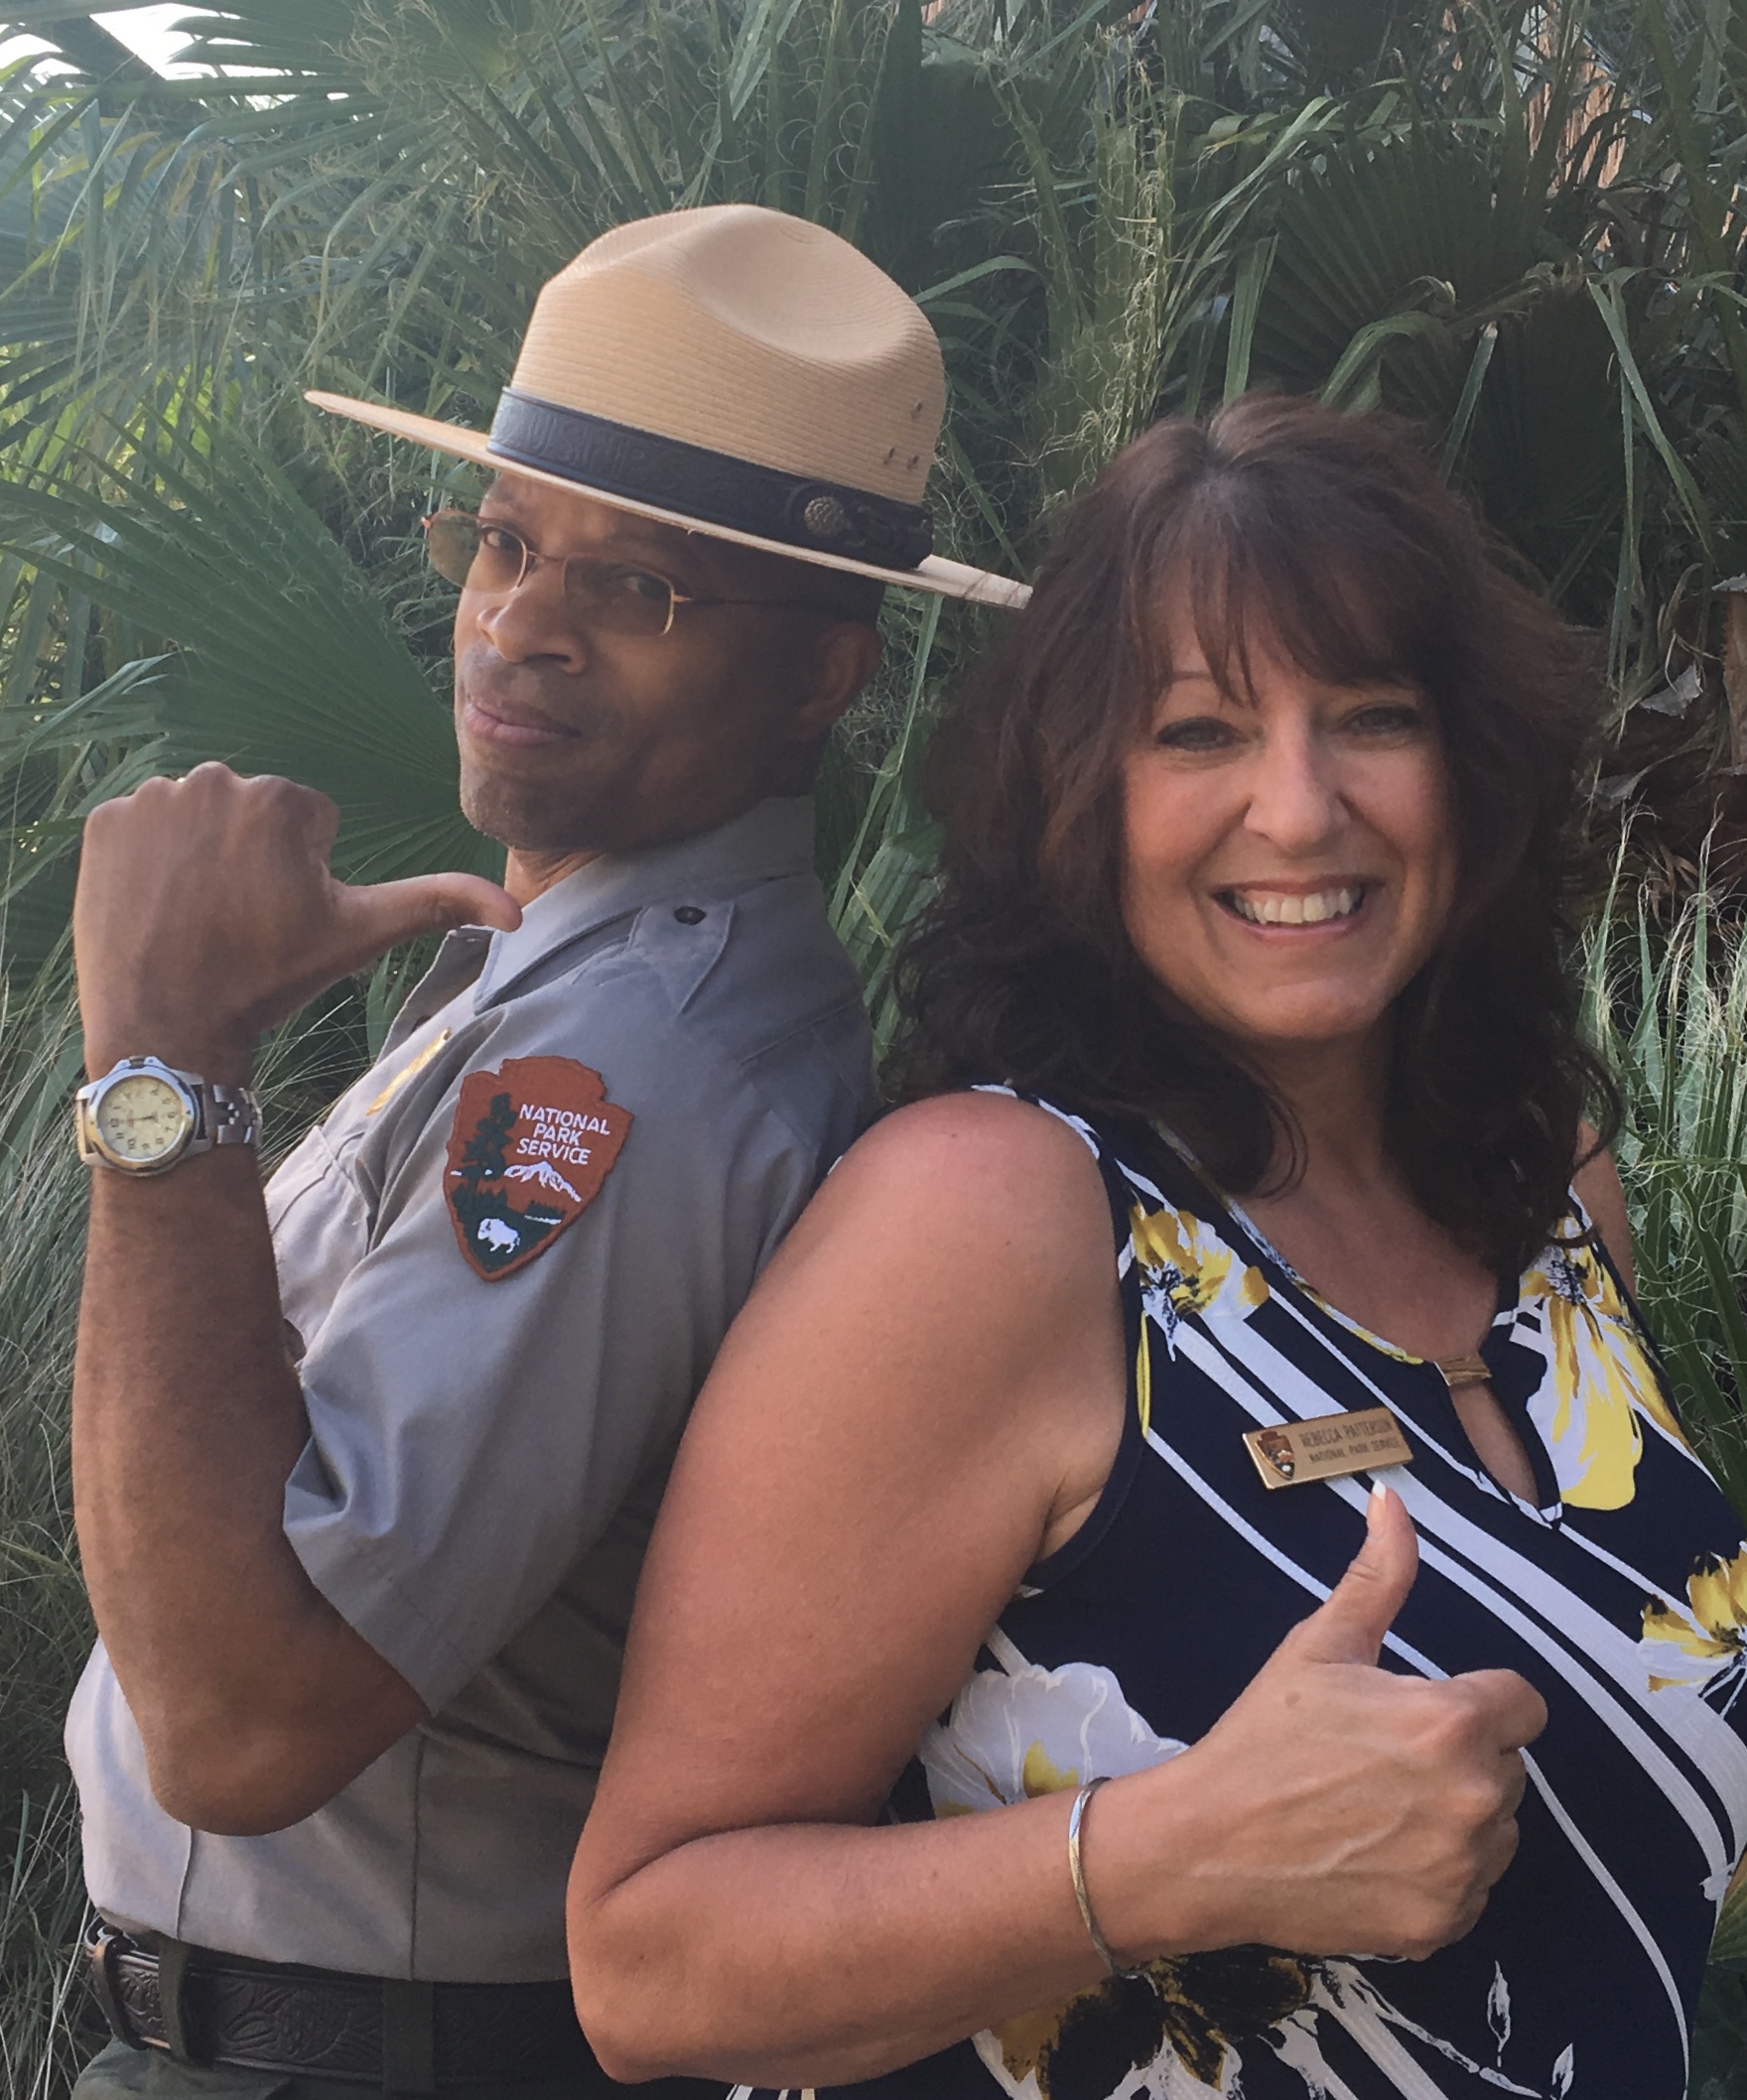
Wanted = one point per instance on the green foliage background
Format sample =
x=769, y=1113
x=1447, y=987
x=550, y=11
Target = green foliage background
x=1519, y=223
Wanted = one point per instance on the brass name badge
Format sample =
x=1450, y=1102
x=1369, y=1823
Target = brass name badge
x=1327, y=1447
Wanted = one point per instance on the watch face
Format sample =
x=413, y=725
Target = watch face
x=142, y=1118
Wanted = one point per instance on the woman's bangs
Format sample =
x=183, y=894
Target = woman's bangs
x=1261, y=584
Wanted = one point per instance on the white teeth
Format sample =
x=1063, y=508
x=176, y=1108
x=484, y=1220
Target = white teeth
x=1276, y=908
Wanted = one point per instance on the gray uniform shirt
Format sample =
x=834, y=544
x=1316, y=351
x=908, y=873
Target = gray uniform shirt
x=486, y=1455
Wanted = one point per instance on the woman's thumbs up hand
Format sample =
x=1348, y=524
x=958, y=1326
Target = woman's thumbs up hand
x=1335, y=1807
x=1360, y=1610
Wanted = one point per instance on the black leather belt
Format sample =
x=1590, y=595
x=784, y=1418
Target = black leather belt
x=399, y=2036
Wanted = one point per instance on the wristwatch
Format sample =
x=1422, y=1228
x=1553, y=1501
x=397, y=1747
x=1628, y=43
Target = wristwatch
x=143, y=1117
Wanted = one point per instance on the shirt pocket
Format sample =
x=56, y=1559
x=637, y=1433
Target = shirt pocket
x=321, y=1226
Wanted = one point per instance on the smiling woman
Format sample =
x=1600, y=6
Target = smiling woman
x=1006, y=1711
x=1279, y=653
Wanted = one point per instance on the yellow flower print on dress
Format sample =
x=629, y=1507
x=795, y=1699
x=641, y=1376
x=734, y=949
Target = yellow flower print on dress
x=1183, y=2029
x=1189, y=2027
x=1187, y=1267
x=1703, y=1646
x=1599, y=1380
x=1014, y=1735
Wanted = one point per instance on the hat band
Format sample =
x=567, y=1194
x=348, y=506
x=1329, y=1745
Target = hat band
x=820, y=517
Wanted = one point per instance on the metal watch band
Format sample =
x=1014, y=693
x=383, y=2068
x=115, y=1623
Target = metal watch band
x=220, y=1115
x=229, y=1115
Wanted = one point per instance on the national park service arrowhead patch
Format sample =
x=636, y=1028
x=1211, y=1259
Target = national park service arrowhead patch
x=531, y=1146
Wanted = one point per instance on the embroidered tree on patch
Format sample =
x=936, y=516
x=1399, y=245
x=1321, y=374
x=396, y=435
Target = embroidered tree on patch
x=484, y=1158
x=551, y=1115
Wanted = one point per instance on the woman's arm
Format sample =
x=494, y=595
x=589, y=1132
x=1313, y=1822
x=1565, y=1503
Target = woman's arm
x=1598, y=1183
x=925, y=1392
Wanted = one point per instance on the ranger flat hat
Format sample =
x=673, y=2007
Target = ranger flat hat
x=737, y=373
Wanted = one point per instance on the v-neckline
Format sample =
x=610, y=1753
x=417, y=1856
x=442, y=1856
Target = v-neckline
x=1508, y=1306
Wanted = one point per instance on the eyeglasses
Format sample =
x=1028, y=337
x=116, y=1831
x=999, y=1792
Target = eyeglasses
x=609, y=598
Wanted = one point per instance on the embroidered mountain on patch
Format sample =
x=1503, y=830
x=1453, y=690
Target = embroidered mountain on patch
x=531, y=1145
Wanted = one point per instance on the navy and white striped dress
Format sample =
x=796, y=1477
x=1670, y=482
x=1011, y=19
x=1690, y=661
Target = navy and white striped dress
x=1621, y=1595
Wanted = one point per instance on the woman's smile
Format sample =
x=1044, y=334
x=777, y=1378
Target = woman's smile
x=1327, y=907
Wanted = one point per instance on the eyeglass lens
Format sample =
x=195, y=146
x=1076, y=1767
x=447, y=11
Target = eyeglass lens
x=491, y=558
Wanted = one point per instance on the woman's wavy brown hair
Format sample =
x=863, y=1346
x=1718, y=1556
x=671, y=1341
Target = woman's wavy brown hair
x=1329, y=537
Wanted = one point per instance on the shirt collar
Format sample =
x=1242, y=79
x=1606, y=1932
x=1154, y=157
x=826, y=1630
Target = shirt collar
x=773, y=837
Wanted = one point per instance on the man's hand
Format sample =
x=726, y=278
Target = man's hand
x=1349, y=1809
x=206, y=912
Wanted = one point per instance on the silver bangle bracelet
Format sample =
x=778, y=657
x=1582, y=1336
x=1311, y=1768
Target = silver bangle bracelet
x=1076, y=1867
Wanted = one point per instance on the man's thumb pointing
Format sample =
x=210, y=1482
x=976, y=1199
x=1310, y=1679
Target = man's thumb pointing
x=378, y=916
x=1350, y=1626
x=470, y=900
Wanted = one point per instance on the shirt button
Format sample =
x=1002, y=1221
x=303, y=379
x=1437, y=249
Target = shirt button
x=688, y=914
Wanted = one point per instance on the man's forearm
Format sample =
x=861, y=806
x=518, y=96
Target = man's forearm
x=206, y=913
x=255, y=1700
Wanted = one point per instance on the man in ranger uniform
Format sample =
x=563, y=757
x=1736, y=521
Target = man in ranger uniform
x=365, y=1462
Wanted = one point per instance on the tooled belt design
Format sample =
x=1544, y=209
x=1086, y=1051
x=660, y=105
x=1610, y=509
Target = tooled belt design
x=209, y=2008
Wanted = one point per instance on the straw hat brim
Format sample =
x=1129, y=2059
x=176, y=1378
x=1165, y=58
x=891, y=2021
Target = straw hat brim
x=979, y=587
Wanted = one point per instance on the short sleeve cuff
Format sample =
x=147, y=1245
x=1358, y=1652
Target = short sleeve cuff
x=356, y=1575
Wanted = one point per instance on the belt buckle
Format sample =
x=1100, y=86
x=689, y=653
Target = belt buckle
x=102, y=1951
